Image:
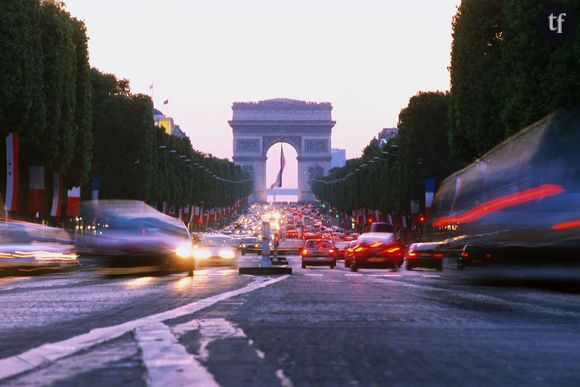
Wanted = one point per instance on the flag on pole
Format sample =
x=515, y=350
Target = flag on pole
x=96, y=187
x=73, y=205
x=12, y=144
x=36, y=189
x=56, y=209
x=278, y=182
x=165, y=102
x=151, y=87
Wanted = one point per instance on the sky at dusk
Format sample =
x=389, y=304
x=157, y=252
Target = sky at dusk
x=366, y=57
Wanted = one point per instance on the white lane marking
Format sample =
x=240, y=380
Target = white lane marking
x=218, y=329
x=167, y=362
x=519, y=306
x=66, y=369
x=314, y=274
x=210, y=330
x=47, y=353
x=353, y=275
x=284, y=380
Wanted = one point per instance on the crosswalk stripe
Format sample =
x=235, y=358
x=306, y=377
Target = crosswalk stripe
x=167, y=361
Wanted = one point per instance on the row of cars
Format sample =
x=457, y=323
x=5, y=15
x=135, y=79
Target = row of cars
x=371, y=250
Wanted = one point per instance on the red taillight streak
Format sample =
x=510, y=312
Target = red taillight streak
x=438, y=255
x=465, y=254
x=501, y=203
x=331, y=251
x=566, y=225
x=411, y=254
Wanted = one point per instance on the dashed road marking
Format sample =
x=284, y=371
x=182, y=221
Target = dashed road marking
x=167, y=361
x=47, y=353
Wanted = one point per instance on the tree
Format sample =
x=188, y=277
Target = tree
x=476, y=78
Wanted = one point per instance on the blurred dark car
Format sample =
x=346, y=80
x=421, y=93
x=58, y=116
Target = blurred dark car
x=340, y=248
x=131, y=233
x=424, y=255
x=251, y=245
x=377, y=250
x=216, y=250
x=318, y=252
x=29, y=246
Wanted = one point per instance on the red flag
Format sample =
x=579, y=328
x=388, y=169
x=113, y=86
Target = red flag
x=36, y=189
x=73, y=205
x=12, y=144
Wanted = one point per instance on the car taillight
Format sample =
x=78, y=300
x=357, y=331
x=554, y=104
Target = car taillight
x=438, y=255
x=377, y=244
x=359, y=249
x=394, y=250
x=304, y=252
x=331, y=251
x=465, y=254
x=411, y=254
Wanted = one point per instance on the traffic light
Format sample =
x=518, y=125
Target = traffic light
x=421, y=218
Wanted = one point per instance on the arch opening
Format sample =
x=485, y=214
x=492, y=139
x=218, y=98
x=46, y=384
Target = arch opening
x=288, y=191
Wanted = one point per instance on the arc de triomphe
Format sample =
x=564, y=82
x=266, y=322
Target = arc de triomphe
x=307, y=126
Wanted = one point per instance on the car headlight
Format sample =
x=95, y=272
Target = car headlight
x=184, y=250
x=201, y=253
x=227, y=254
x=243, y=245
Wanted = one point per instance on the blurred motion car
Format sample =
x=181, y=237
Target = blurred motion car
x=131, y=233
x=318, y=252
x=424, y=255
x=216, y=250
x=29, y=246
x=377, y=250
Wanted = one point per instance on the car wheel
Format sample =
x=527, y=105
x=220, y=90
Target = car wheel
x=353, y=267
x=439, y=267
x=346, y=264
x=332, y=266
x=303, y=266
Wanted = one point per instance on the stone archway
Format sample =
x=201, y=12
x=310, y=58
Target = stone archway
x=307, y=126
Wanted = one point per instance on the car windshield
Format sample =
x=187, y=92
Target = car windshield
x=217, y=241
x=319, y=244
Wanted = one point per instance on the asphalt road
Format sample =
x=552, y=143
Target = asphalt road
x=317, y=327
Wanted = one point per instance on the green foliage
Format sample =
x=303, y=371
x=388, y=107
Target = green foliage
x=504, y=74
x=388, y=178
x=476, y=78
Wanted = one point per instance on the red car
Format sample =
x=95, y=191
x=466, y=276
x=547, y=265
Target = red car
x=377, y=250
x=318, y=252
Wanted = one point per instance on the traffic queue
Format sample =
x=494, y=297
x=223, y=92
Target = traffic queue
x=126, y=233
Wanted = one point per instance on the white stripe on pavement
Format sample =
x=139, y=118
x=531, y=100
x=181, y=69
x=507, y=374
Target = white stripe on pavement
x=218, y=329
x=167, y=362
x=47, y=353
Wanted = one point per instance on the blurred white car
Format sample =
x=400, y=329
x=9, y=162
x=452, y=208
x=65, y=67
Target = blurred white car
x=131, y=233
x=31, y=246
